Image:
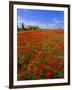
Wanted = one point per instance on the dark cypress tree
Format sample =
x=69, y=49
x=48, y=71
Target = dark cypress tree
x=22, y=26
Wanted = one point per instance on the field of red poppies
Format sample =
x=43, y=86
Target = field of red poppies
x=40, y=54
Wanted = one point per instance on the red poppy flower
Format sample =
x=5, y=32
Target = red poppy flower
x=20, y=70
x=49, y=73
x=31, y=70
x=52, y=64
x=38, y=67
x=41, y=67
x=26, y=75
x=23, y=62
x=39, y=73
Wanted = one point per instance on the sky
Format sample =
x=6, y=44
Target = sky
x=45, y=19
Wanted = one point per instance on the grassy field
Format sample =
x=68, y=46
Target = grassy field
x=40, y=54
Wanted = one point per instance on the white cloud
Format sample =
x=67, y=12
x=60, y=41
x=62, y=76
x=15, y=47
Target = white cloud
x=57, y=21
x=51, y=25
x=54, y=24
x=33, y=23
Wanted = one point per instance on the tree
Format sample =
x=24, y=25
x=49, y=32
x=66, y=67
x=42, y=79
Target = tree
x=22, y=26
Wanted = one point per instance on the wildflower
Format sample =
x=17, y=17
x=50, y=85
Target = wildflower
x=49, y=73
x=39, y=73
x=31, y=70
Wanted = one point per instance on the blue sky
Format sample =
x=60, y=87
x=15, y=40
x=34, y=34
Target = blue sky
x=42, y=18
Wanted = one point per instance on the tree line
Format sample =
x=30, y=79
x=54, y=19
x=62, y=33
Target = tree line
x=30, y=27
